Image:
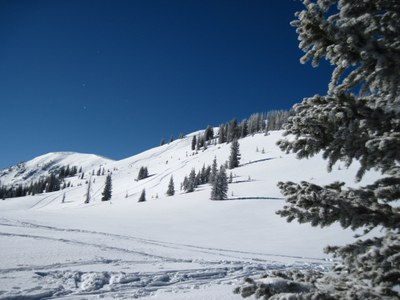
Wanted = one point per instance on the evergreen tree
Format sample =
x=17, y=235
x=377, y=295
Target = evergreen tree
x=232, y=130
x=162, y=142
x=143, y=173
x=142, y=197
x=221, y=134
x=171, y=187
x=194, y=142
x=234, y=157
x=185, y=183
x=53, y=183
x=107, y=189
x=214, y=170
x=243, y=129
x=357, y=120
x=219, y=187
x=209, y=133
x=191, y=183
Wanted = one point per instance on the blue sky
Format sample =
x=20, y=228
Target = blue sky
x=115, y=77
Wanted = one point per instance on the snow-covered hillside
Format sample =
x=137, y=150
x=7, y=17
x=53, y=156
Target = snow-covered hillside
x=33, y=170
x=180, y=247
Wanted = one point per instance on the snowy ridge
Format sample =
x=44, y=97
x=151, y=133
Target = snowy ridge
x=41, y=166
x=180, y=247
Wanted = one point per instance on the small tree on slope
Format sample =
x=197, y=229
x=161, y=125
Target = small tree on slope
x=362, y=40
x=219, y=187
x=107, y=189
x=235, y=155
x=171, y=187
x=142, y=197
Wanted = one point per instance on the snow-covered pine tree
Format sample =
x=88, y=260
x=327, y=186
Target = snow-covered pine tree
x=194, y=142
x=232, y=130
x=191, y=182
x=209, y=133
x=171, y=187
x=219, y=187
x=235, y=155
x=221, y=134
x=359, y=119
x=142, y=197
x=107, y=189
x=214, y=171
x=143, y=173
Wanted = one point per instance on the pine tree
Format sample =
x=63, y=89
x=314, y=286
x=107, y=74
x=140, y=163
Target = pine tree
x=209, y=133
x=214, y=171
x=171, y=187
x=191, y=182
x=234, y=157
x=142, y=197
x=194, y=142
x=358, y=119
x=107, y=189
x=143, y=173
x=219, y=187
x=232, y=130
x=221, y=134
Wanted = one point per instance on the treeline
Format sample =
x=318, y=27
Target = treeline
x=227, y=132
x=51, y=183
x=48, y=184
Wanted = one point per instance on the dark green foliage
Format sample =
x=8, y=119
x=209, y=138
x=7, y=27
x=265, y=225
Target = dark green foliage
x=107, y=189
x=143, y=173
x=162, y=142
x=361, y=40
x=221, y=134
x=219, y=188
x=243, y=129
x=142, y=197
x=234, y=157
x=209, y=133
x=194, y=142
x=171, y=187
x=191, y=182
x=53, y=183
x=233, y=132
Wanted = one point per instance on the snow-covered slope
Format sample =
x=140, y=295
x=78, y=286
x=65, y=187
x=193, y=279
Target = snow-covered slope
x=41, y=166
x=180, y=247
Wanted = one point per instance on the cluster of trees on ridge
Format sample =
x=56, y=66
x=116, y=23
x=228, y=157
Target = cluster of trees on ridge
x=227, y=132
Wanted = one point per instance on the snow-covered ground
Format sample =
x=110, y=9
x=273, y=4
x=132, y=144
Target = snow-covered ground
x=180, y=247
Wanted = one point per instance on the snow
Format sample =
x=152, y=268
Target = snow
x=180, y=247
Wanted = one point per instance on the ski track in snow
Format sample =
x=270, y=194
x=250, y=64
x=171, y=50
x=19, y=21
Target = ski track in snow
x=47, y=258
x=180, y=269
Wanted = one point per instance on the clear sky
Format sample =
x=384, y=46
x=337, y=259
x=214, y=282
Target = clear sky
x=115, y=77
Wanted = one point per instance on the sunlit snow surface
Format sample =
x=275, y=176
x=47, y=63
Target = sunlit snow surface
x=181, y=247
